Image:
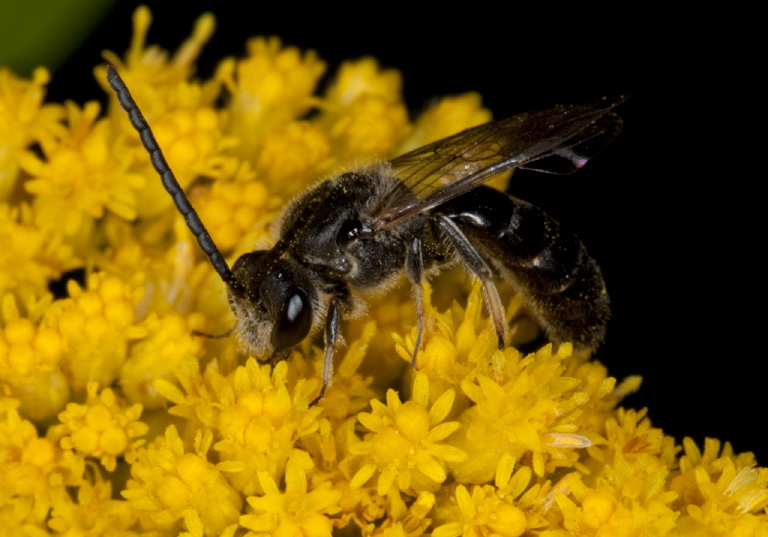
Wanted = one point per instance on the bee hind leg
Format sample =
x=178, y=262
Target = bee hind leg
x=472, y=258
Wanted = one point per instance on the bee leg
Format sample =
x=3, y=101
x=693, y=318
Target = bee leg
x=228, y=333
x=469, y=254
x=332, y=323
x=275, y=358
x=415, y=269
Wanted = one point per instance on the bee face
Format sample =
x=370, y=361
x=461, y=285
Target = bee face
x=275, y=311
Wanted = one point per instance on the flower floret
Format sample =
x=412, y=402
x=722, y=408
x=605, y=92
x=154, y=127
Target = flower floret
x=170, y=484
x=82, y=175
x=534, y=410
x=483, y=512
x=96, y=325
x=404, y=444
x=103, y=427
x=260, y=424
x=297, y=510
x=24, y=120
x=33, y=467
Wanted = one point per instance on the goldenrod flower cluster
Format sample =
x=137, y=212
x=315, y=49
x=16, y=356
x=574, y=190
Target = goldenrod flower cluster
x=118, y=418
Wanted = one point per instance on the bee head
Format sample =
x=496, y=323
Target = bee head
x=270, y=296
x=274, y=309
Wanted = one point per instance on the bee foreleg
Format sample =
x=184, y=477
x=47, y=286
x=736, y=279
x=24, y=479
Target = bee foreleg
x=415, y=269
x=469, y=254
x=332, y=323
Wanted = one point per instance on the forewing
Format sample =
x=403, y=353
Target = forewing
x=560, y=140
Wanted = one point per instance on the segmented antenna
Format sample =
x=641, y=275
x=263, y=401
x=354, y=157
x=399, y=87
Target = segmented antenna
x=170, y=183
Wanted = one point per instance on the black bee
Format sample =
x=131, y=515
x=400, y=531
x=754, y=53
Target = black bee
x=416, y=215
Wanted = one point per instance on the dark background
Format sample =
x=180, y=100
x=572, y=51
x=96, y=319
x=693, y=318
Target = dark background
x=664, y=210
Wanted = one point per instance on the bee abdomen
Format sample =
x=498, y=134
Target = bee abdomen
x=561, y=284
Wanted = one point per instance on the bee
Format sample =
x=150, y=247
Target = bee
x=416, y=215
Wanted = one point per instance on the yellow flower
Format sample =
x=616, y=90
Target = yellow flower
x=184, y=119
x=95, y=326
x=30, y=360
x=370, y=126
x=484, y=513
x=93, y=511
x=30, y=257
x=296, y=511
x=24, y=120
x=627, y=499
x=404, y=447
x=81, y=176
x=455, y=341
x=168, y=346
x=720, y=492
x=293, y=154
x=102, y=428
x=363, y=112
x=360, y=78
x=260, y=422
x=270, y=87
x=169, y=484
x=234, y=211
x=190, y=131
x=532, y=411
x=151, y=65
x=33, y=467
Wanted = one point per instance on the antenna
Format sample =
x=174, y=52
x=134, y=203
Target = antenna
x=170, y=183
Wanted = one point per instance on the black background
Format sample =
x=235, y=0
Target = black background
x=665, y=210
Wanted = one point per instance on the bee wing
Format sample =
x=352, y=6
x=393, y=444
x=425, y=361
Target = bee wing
x=560, y=140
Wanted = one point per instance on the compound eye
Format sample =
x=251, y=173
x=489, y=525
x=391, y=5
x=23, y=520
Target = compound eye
x=294, y=322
